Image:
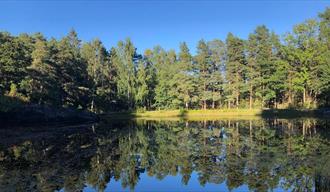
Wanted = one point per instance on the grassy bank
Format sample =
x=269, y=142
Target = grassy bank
x=221, y=113
x=199, y=113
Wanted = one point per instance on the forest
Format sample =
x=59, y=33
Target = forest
x=266, y=70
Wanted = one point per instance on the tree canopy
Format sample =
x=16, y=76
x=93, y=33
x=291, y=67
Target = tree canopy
x=266, y=70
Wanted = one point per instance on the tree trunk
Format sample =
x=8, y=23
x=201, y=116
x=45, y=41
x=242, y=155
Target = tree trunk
x=304, y=96
x=250, y=130
x=40, y=98
x=262, y=100
x=251, y=99
x=290, y=99
x=92, y=105
x=276, y=104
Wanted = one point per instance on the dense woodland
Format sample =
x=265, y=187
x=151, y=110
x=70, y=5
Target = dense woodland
x=266, y=70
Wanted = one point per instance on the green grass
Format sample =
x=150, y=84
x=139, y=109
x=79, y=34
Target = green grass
x=199, y=113
x=216, y=114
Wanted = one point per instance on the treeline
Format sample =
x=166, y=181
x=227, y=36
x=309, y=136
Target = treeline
x=266, y=70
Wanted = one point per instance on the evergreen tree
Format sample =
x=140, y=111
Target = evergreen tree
x=217, y=51
x=142, y=79
x=39, y=82
x=151, y=78
x=302, y=52
x=15, y=57
x=184, y=79
x=125, y=63
x=98, y=69
x=261, y=65
x=278, y=80
x=204, y=68
x=72, y=72
x=164, y=63
x=324, y=67
x=235, y=69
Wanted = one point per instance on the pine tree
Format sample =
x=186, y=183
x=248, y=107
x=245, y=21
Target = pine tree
x=73, y=72
x=165, y=63
x=261, y=66
x=217, y=52
x=151, y=78
x=183, y=80
x=95, y=55
x=203, y=65
x=302, y=52
x=324, y=67
x=15, y=57
x=125, y=61
x=40, y=73
x=235, y=69
x=278, y=80
x=142, y=92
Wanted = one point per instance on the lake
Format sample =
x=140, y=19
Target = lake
x=168, y=155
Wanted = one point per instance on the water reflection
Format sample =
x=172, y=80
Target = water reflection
x=259, y=155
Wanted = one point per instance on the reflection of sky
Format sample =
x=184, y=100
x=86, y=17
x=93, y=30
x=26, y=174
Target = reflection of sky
x=170, y=184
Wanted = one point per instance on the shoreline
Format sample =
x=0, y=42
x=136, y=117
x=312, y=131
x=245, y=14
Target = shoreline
x=223, y=113
x=45, y=115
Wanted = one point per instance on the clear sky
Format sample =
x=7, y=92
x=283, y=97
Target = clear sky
x=152, y=22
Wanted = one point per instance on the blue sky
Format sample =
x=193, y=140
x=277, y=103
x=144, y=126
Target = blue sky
x=149, y=22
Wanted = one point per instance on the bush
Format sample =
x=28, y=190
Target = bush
x=182, y=112
x=141, y=110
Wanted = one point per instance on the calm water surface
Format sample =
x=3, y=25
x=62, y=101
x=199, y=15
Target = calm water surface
x=168, y=155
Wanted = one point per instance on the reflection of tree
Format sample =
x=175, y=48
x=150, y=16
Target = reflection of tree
x=262, y=154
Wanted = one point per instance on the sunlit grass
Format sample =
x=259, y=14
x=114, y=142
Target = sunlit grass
x=200, y=113
x=216, y=114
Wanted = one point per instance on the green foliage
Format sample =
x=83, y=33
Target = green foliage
x=124, y=60
x=264, y=71
x=235, y=69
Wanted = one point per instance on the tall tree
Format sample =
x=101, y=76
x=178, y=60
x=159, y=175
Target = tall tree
x=15, y=57
x=235, y=69
x=184, y=79
x=98, y=68
x=261, y=65
x=40, y=81
x=303, y=55
x=203, y=65
x=143, y=79
x=217, y=51
x=324, y=68
x=278, y=80
x=73, y=72
x=125, y=63
x=165, y=63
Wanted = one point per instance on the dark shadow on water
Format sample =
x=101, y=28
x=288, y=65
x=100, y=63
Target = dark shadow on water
x=295, y=113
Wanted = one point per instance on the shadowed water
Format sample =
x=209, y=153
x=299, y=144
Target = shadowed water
x=168, y=155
